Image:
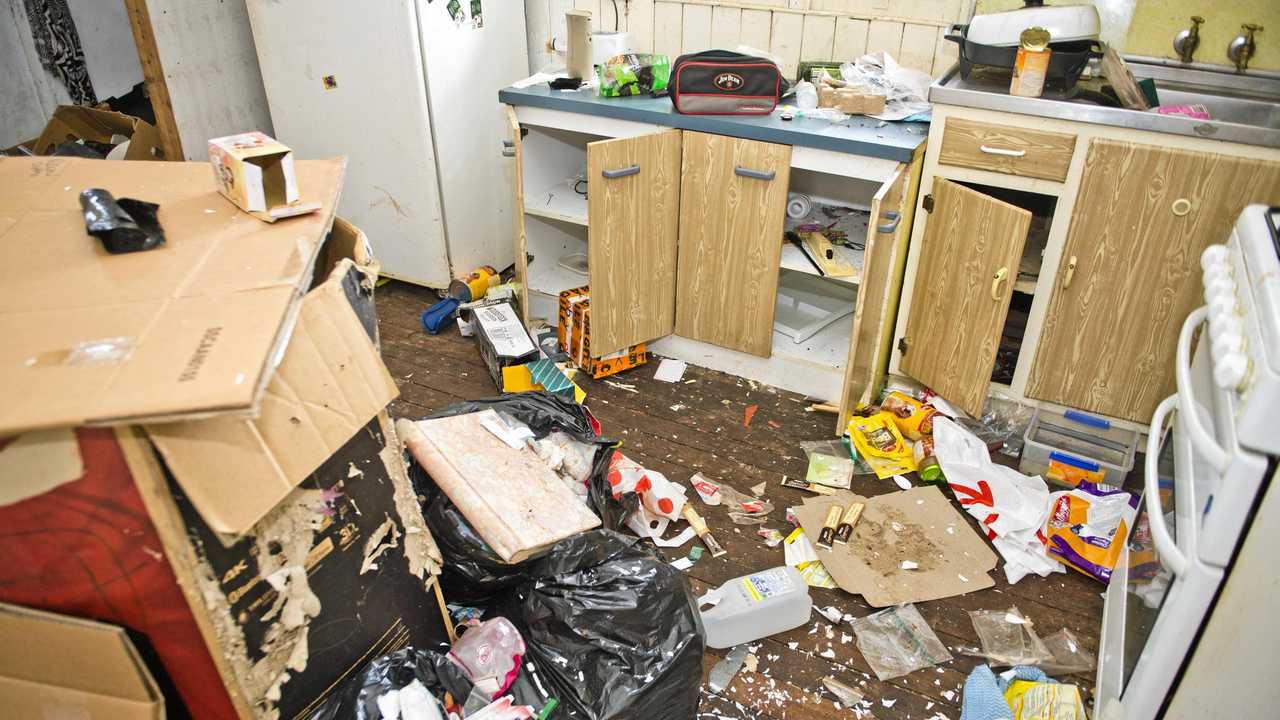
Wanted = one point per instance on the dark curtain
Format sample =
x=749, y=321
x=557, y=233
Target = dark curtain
x=58, y=45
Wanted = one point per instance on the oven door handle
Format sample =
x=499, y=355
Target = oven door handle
x=1203, y=441
x=1170, y=556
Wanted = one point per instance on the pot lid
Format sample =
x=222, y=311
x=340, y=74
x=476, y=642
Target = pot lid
x=1065, y=23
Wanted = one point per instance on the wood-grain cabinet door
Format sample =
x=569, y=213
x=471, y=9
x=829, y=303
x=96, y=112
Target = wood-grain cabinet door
x=633, y=205
x=1130, y=271
x=732, y=205
x=968, y=258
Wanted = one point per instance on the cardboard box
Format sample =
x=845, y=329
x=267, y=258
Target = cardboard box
x=255, y=172
x=502, y=338
x=63, y=667
x=574, y=332
x=73, y=122
x=329, y=384
x=188, y=329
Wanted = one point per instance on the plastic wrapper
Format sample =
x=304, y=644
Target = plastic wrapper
x=745, y=509
x=490, y=655
x=633, y=74
x=1008, y=638
x=1007, y=420
x=829, y=463
x=1045, y=700
x=125, y=225
x=1087, y=528
x=415, y=677
x=879, y=443
x=610, y=630
x=906, y=91
x=913, y=418
x=898, y=641
x=1069, y=656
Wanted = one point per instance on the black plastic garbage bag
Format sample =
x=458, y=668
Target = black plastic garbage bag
x=357, y=698
x=611, y=630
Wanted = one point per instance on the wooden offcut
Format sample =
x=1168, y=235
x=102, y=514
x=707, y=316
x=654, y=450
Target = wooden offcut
x=954, y=325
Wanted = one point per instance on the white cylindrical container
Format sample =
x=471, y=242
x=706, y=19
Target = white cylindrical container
x=798, y=205
x=605, y=45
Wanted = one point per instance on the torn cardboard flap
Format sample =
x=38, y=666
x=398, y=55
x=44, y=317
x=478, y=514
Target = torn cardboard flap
x=73, y=122
x=330, y=383
x=72, y=668
x=185, y=330
x=917, y=527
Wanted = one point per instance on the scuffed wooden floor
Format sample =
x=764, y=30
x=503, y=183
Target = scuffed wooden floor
x=684, y=428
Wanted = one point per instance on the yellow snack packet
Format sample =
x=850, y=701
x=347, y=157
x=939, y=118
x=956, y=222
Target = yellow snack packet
x=1044, y=701
x=879, y=443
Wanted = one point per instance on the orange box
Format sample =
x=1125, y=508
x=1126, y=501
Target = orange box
x=574, y=333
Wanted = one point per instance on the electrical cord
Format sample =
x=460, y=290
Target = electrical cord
x=615, y=15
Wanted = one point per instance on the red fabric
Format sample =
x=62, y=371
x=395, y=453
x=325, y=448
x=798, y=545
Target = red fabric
x=88, y=548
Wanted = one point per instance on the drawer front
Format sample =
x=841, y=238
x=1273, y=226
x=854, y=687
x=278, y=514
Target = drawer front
x=1003, y=149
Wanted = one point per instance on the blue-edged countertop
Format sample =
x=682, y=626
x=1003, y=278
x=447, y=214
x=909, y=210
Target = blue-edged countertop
x=857, y=136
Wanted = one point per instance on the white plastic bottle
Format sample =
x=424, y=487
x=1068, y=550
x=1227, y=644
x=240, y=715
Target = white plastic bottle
x=755, y=606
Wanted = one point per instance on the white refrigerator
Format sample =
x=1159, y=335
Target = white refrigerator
x=408, y=91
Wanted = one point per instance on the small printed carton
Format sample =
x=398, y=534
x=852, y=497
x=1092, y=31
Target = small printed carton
x=574, y=333
x=255, y=172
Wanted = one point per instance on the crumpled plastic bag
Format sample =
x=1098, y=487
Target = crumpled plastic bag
x=897, y=641
x=611, y=630
x=1008, y=638
x=1011, y=506
x=906, y=91
x=420, y=676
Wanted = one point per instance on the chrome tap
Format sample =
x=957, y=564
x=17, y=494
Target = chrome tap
x=1243, y=46
x=1187, y=40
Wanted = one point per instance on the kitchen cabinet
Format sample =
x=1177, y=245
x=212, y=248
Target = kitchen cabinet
x=678, y=231
x=635, y=184
x=1118, y=218
x=969, y=251
x=1131, y=271
x=732, y=206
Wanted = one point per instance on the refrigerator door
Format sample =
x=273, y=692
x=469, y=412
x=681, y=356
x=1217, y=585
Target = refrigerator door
x=468, y=59
x=347, y=78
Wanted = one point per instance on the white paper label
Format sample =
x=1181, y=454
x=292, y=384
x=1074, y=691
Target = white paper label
x=503, y=328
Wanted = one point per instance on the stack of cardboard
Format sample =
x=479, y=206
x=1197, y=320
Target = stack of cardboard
x=195, y=442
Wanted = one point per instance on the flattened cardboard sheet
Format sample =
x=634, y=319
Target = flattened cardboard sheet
x=917, y=526
x=330, y=383
x=191, y=328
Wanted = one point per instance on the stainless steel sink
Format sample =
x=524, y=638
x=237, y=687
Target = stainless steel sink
x=1243, y=108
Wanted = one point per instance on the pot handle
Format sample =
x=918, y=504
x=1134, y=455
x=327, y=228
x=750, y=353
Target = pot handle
x=956, y=33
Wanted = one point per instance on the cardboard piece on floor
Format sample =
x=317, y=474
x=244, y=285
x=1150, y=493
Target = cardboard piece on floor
x=510, y=497
x=36, y=462
x=915, y=526
x=73, y=122
x=72, y=668
x=329, y=384
x=188, y=329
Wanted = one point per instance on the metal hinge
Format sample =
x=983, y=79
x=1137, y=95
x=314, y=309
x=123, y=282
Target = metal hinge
x=928, y=203
x=902, y=345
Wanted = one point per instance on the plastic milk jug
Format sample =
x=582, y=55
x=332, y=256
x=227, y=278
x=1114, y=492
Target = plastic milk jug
x=755, y=606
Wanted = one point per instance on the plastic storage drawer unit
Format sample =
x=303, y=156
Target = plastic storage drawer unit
x=1067, y=447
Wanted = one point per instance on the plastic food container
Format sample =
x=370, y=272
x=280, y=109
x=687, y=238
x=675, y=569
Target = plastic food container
x=1067, y=447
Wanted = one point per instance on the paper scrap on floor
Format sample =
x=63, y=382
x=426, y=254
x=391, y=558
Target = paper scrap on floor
x=670, y=371
x=918, y=526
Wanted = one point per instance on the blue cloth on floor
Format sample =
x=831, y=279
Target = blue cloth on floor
x=984, y=692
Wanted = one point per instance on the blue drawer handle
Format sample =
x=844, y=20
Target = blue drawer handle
x=1086, y=419
x=621, y=172
x=1074, y=461
x=757, y=174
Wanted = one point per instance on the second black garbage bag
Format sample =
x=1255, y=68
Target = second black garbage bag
x=612, y=631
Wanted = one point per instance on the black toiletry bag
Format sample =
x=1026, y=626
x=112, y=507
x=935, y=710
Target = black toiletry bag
x=722, y=82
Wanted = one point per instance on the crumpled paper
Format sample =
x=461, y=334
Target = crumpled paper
x=906, y=91
x=1011, y=506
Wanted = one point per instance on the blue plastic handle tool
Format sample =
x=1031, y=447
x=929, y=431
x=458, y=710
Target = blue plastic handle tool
x=1074, y=461
x=437, y=316
x=1087, y=419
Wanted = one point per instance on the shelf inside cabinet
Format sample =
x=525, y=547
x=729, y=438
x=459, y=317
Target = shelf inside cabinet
x=557, y=202
x=548, y=242
x=853, y=223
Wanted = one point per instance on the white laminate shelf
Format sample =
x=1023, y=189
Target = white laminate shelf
x=557, y=202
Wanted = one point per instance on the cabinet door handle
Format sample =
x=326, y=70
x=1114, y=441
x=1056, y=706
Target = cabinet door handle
x=1002, y=151
x=894, y=217
x=621, y=172
x=508, y=148
x=1181, y=207
x=757, y=174
x=1070, y=273
x=997, y=282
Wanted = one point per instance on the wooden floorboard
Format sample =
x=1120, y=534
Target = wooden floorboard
x=697, y=425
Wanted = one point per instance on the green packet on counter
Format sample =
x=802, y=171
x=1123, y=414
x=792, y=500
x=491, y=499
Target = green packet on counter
x=633, y=74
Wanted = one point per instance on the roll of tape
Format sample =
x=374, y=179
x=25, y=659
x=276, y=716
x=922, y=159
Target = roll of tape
x=798, y=205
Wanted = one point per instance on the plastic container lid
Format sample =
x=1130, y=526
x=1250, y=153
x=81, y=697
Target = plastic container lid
x=1065, y=23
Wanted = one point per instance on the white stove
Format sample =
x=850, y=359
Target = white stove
x=1211, y=455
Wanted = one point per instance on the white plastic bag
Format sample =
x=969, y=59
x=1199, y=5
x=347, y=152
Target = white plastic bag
x=1012, y=507
x=906, y=91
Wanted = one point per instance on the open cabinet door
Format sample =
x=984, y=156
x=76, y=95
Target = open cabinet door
x=732, y=209
x=511, y=149
x=873, y=315
x=633, y=203
x=969, y=256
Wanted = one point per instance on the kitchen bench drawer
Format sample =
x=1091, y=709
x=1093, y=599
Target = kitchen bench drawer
x=1004, y=149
